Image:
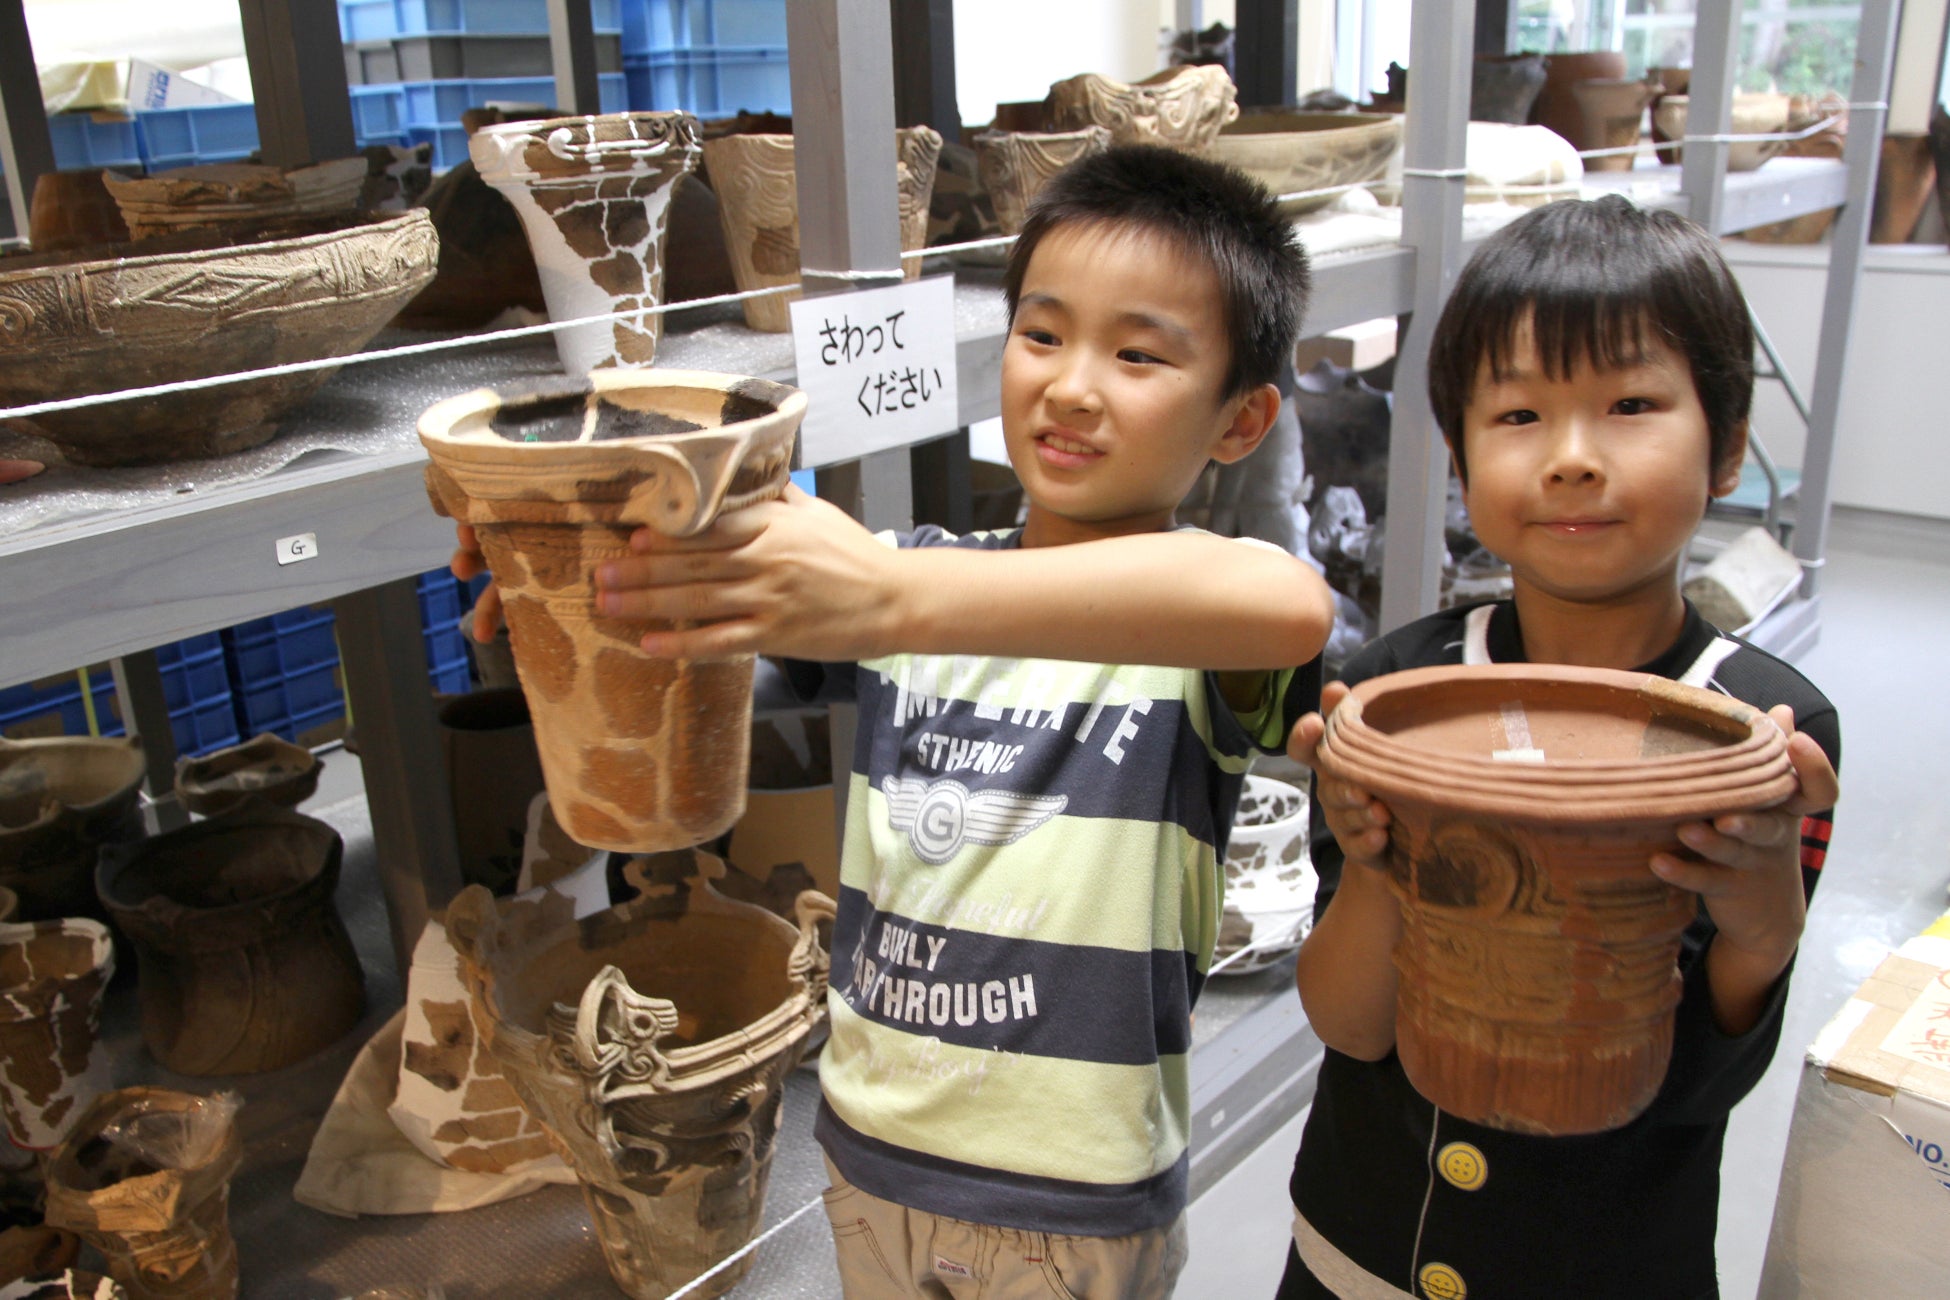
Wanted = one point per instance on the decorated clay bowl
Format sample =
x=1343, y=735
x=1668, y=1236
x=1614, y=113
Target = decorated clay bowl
x=1015, y=165
x=1180, y=108
x=61, y=800
x=1753, y=114
x=1291, y=153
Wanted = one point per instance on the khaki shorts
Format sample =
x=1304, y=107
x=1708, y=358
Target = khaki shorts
x=890, y=1252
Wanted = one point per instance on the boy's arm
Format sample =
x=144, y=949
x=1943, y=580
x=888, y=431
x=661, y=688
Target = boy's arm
x=798, y=577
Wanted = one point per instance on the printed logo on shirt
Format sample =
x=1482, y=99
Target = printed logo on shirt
x=941, y=816
x=945, y=1267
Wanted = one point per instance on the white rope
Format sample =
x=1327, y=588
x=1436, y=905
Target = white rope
x=750, y=1246
x=1436, y=173
x=1737, y=138
x=857, y=276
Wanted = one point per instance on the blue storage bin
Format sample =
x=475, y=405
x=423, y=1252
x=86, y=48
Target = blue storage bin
x=202, y=133
x=378, y=110
x=83, y=140
x=284, y=672
x=196, y=689
x=379, y=20
x=713, y=82
x=654, y=26
x=443, y=599
x=448, y=143
x=54, y=706
x=440, y=103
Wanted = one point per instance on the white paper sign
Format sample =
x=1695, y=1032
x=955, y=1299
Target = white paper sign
x=298, y=548
x=879, y=368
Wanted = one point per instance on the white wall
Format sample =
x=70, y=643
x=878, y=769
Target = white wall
x=1008, y=50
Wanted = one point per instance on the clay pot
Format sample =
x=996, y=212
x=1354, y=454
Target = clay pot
x=758, y=202
x=235, y=196
x=1270, y=881
x=1502, y=87
x=1904, y=179
x=1538, y=949
x=1672, y=81
x=652, y=1040
x=1810, y=227
x=73, y=210
x=187, y=308
x=61, y=799
x=28, y=1251
x=1556, y=105
x=1292, y=152
x=1614, y=113
x=1940, y=151
x=1181, y=108
x=267, y=768
x=145, y=1179
x=493, y=772
x=594, y=193
x=245, y=963
x=52, y=974
x=485, y=265
x=639, y=753
x=64, y=1284
x=1753, y=114
x=1015, y=165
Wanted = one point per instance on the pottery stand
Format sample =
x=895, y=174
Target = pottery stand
x=52, y=974
x=758, y=201
x=165, y=1231
x=268, y=768
x=593, y=194
x=1015, y=165
x=639, y=753
x=653, y=1041
x=245, y=963
x=1180, y=108
x=60, y=801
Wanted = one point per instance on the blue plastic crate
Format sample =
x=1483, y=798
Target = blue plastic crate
x=202, y=133
x=712, y=82
x=440, y=103
x=443, y=599
x=196, y=688
x=54, y=706
x=653, y=26
x=378, y=110
x=380, y=20
x=448, y=143
x=284, y=672
x=85, y=140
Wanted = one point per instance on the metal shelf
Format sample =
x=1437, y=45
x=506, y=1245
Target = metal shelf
x=1779, y=190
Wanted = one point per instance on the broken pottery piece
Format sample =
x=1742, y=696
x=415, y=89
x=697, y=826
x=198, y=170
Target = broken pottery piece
x=593, y=194
x=485, y=264
x=189, y=307
x=1538, y=951
x=1180, y=108
x=1292, y=153
x=493, y=772
x=653, y=1041
x=1614, y=117
x=52, y=974
x=63, y=1284
x=639, y=753
x=61, y=799
x=223, y=196
x=245, y=963
x=1015, y=165
x=1270, y=880
x=145, y=1179
x=758, y=202
x=266, y=767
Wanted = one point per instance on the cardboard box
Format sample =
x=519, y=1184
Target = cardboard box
x=1864, y=1202
x=121, y=86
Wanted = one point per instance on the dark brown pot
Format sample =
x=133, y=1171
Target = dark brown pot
x=1903, y=184
x=1502, y=87
x=73, y=210
x=494, y=771
x=269, y=768
x=60, y=801
x=1557, y=104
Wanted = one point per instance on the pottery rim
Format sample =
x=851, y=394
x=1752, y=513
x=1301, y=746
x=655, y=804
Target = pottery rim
x=200, y=782
x=1274, y=149
x=66, y=775
x=159, y=907
x=577, y=146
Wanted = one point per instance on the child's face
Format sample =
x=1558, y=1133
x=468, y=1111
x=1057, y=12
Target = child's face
x=1110, y=384
x=1590, y=486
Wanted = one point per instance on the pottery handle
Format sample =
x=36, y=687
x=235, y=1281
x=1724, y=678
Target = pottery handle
x=668, y=497
x=809, y=961
x=561, y=143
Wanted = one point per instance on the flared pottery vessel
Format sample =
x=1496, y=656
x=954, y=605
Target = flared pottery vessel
x=1614, y=114
x=1538, y=952
x=1015, y=165
x=266, y=768
x=1556, y=105
x=145, y=1179
x=653, y=1041
x=52, y=974
x=61, y=800
x=1296, y=153
x=1180, y=108
x=246, y=965
x=758, y=204
x=1502, y=87
x=639, y=754
x=593, y=193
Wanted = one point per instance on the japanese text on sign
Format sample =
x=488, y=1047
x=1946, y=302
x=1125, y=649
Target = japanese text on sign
x=1923, y=1033
x=879, y=368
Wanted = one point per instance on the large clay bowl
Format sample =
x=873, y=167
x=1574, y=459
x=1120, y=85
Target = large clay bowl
x=191, y=306
x=267, y=768
x=1538, y=950
x=61, y=799
x=1180, y=108
x=1753, y=114
x=1293, y=152
x=228, y=195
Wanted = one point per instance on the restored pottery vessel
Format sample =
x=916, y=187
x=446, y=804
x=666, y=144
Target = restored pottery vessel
x=61, y=799
x=758, y=202
x=1502, y=87
x=1270, y=881
x=594, y=194
x=145, y=1179
x=1753, y=114
x=73, y=210
x=245, y=963
x=1294, y=152
x=1614, y=115
x=1904, y=181
x=493, y=772
x=52, y=974
x=1556, y=105
x=1538, y=950
x=638, y=753
x=653, y=1041
x=65, y=1284
x=1672, y=81
x=191, y=307
x=1015, y=165
x=266, y=767
x=1181, y=108
x=220, y=196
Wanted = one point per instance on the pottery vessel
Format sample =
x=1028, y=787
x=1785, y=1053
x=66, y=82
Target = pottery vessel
x=1502, y=87
x=73, y=210
x=1270, y=880
x=65, y=1284
x=1181, y=108
x=9, y=904
x=485, y=265
x=758, y=202
x=235, y=196
x=1538, y=952
x=1556, y=105
x=653, y=1041
x=1015, y=165
x=1290, y=152
x=61, y=800
x=245, y=963
x=267, y=767
x=1614, y=115
x=493, y=772
x=191, y=307
x=1905, y=179
x=1753, y=114
x=1671, y=81
x=52, y=974
x=26, y=1251
x=1806, y=111
x=638, y=753
x=594, y=194
x=145, y=1179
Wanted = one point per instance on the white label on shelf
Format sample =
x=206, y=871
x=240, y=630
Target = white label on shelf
x=879, y=368
x=292, y=550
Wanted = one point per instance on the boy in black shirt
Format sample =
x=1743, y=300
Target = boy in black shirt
x=1592, y=374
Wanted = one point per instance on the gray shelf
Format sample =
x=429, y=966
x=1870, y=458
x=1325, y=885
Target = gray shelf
x=1779, y=190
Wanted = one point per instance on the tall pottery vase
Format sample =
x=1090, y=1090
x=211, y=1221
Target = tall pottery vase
x=1556, y=105
x=593, y=194
x=60, y=801
x=1015, y=165
x=1538, y=951
x=52, y=974
x=758, y=202
x=1614, y=112
x=653, y=1041
x=638, y=753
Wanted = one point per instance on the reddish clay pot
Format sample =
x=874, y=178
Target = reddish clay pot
x=61, y=800
x=1557, y=103
x=1538, y=950
x=267, y=768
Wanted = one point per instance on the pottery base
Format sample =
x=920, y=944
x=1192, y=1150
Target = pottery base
x=656, y=1245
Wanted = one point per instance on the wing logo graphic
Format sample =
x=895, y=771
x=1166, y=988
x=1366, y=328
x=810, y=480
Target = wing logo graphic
x=941, y=816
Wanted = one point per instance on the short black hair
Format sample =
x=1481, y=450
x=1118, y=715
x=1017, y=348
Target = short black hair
x=1595, y=279
x=1210, y=211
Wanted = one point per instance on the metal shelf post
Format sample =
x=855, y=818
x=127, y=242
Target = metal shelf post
x=572, y=48
x=26, y=151
x=1709, y=110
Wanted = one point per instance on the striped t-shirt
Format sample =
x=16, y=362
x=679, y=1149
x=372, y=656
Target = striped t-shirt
x=1030, y=892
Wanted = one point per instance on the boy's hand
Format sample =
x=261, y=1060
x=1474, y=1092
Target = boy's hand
x=1358, y=819
x=1750, y=878
x=795, y=577
x=468, y=563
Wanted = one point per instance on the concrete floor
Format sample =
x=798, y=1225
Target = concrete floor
x=1885, y=618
